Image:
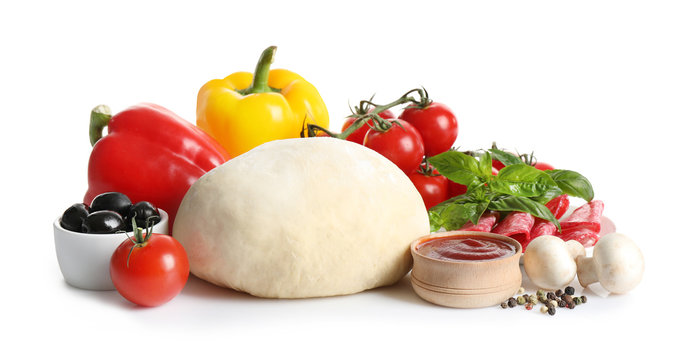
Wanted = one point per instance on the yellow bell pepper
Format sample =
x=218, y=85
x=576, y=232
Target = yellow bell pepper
x=244, y=110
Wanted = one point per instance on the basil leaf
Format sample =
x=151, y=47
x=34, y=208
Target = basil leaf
x=572, y=183
x=455, y=212
x=548, y=195
x=522, y=204
x=523, y=180
x=505, y=157
x=455, y=215
x=458, y=167
x=435, y=221
x=486, y=165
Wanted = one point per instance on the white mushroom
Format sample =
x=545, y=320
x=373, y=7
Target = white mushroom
x=616, y=263
x=550, y=262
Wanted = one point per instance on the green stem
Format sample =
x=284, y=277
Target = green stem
x=99, y=119
x=260, y=81
x=379, y=122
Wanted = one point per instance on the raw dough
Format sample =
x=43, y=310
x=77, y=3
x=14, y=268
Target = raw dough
x=302, y=218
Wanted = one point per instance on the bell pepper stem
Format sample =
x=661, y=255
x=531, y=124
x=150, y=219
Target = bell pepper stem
x=99, y=119
x=260, y=81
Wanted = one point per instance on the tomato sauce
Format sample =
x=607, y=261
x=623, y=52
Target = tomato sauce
x=466, y=249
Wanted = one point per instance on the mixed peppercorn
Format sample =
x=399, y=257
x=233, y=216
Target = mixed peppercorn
x=550, y=300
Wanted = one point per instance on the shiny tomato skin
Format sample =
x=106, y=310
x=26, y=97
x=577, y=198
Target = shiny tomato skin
x=432, y=188
x=401, y=144
x=543, y=166
x=359, y=134
x=436, y=123
x=455, y=189
x=157, y=272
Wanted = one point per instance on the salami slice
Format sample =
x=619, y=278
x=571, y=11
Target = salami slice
x=559, y=205
x=542, y=227
x=585, y=236
x=587, y=216
x=485, y=223
x=516, y=225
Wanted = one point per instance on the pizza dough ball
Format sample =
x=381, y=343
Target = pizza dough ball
x=301, y=218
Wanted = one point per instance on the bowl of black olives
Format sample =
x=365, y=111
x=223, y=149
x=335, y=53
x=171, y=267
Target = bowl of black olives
x=85, y=236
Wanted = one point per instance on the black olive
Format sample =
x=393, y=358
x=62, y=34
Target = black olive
x=142, y=211
x=113, y=201
x=103, y=222
x=73, y=217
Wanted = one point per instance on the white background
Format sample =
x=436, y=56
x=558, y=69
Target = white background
x=588, y=85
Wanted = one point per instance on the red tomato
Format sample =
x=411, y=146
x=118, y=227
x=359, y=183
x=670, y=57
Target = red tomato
x=538, y=165
x=359, y=134
x=543, y=166
x=157, y=271
x=400, y=144
x=455, y=189
x=437, y=125
x=432, y=188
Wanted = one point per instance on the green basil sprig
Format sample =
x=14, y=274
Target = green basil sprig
x=516, y=187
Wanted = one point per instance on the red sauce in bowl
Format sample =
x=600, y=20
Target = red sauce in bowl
x=466, y=249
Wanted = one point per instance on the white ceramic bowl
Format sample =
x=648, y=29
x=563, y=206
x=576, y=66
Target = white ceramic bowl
x=84, y=258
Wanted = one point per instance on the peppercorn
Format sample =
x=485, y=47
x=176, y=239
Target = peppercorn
x=543, y=309
x=521, y=289
x=551, y=310
x=570, y=304
x=521, y=300
x=511, y=302
x=553, y=303
x=569, y=290
x=567, y=298
x=503, y=305
x=540, y=293
x=526, y=297
x=562, y=303
x=583, y=298
x=551, y=296
x=529, y=306
x=577, y=300
x=559, y=293
x=533, y=299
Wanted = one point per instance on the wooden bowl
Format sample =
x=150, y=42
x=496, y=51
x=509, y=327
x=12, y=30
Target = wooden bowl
x=465, y=283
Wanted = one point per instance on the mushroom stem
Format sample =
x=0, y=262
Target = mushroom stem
x=616, y=263
x=586, y=271
x=575, y=249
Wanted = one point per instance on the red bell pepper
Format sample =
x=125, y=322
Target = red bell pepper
x=149, y=154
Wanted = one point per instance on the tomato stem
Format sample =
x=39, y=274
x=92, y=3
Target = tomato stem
x=138, y=237
x=368, y=110
x=426, y=168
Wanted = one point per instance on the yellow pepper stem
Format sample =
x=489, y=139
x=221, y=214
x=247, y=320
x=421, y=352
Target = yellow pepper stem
x=261, y=74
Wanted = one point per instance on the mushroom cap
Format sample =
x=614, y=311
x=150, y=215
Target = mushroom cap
x=549, y=263
x=618, y=262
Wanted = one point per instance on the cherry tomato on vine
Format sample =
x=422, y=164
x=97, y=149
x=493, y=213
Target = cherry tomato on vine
x=149, y=270
x=401, y=144
x=543, y=166
x=455, y=189
x=538, y=165
x=359, y=134
x=497, y=164
x=437, y=125
x=432, y=187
